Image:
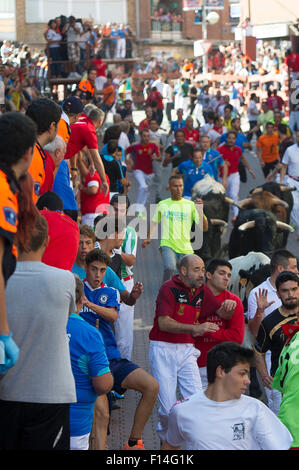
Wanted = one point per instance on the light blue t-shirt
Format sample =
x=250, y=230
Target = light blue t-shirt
x=210, y=157
x=88, y=359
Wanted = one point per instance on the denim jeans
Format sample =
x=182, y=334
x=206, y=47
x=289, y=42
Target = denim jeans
x=170, y=259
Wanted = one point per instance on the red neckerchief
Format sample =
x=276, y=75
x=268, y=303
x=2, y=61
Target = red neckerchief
x=289, y=331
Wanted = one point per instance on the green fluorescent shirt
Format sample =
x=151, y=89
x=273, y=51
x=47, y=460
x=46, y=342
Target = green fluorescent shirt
x=177, y=218
x=286, y=380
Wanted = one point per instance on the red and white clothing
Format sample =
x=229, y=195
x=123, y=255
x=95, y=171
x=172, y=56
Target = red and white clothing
x=93, y=204
x=232, y=156
x=192, y=136
x=64, y=237
x=173, y=356
x=229, y=330
x=83, y=133
x=143, y=170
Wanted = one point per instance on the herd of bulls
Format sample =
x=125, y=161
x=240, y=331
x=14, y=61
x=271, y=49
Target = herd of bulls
x=261, y=227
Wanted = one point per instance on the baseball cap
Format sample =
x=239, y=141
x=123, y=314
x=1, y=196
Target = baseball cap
x=73, y=105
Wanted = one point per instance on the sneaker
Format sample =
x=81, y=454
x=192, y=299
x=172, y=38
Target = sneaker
x=77, y=75
x=138, y=446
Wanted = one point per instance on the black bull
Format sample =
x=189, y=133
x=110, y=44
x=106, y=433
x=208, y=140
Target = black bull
x=264, y=233
x=216, y=209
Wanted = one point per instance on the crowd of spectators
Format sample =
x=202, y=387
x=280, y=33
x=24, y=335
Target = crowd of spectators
x=72, y=40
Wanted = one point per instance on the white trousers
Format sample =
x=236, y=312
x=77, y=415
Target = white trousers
x=124, y=326
x=233, y=188
x=80, y=442
x=171, y=365
x=144, y=181
x=120, y=52
x=295, y=211
x=88, y=219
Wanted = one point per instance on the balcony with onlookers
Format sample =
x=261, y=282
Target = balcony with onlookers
x=166, y=25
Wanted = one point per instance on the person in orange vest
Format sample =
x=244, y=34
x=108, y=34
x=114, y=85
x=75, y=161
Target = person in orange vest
x=87, y=84
x=46, y=115
x=17, y=212
x=71, y=111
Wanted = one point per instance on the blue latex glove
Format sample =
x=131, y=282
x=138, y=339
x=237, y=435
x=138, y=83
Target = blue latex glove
x=11, y=352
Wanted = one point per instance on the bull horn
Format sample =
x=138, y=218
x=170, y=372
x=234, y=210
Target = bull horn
x=284, y=187
x=257, y=190
x=279, y=202
x=284, y=226
x=247, y=225
x=245, y=201
x=218, y=222
x=229, y=200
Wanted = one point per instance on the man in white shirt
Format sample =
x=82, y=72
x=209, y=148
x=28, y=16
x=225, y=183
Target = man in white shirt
x=168, y=97
x=290, y=167
x=263, y=300
x=223, y=417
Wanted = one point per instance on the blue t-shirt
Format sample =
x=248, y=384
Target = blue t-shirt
x=175, y=125
x=104, y=297
x=240, y=139
x=62, y=187
x=212, y=154
x=111, y=279
x=193, y=174
x=88, y=359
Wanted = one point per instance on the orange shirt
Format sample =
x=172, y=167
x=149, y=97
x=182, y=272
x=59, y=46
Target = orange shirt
x=37, y=170
x=86, y=86
x=8, y=222
x=63, y=130
x=269, y=146
x=108, y=95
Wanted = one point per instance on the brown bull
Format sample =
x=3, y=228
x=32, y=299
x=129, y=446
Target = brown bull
x=267, y=201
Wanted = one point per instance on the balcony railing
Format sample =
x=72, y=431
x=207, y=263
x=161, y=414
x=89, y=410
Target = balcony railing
x=166, y=30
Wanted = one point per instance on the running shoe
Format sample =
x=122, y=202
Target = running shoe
x=138, y=446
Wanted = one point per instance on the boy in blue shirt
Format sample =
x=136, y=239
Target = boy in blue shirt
x=193, y=170
x=100, y=309
x=91, y=372
x=214, y=159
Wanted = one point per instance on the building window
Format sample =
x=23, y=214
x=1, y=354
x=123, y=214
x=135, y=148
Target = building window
x=198, y=16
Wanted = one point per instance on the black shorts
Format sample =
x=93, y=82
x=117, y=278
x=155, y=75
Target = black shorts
x=120, y=369
x=34, y=426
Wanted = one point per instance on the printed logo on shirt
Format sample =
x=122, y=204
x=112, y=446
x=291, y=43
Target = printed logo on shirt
x=238, y=431
x=182, y=299
x=103, y=299
x=10, y=215
x=181, y=310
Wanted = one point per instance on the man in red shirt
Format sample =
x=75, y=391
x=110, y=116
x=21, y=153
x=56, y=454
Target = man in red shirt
x=141, y=161
x=155, y=99
x=64, y=234
x=232, y=328
x=192, y=135
x=180, y=303
x=93, y=200
x=83, y=134
x=144, y=124
x=233, y=154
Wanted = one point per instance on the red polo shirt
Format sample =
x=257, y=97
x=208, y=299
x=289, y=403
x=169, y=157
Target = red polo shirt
x=83, y=133
x=142, y=156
